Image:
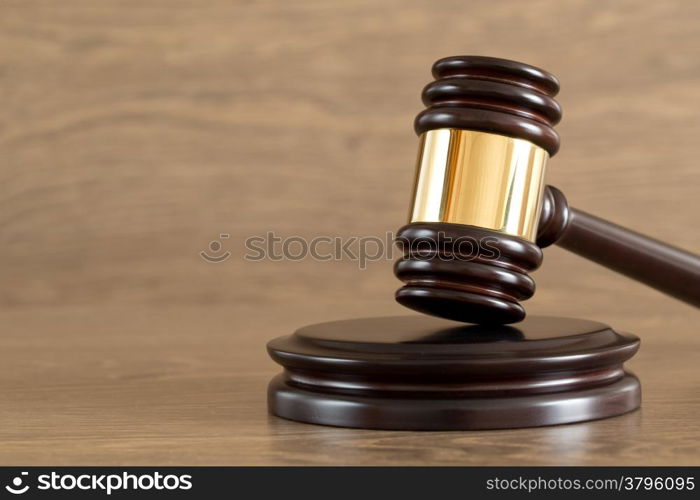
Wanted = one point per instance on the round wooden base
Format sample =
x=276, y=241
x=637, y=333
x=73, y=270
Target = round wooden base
x=426, y=373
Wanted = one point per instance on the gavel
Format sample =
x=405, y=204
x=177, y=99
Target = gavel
x=480, y=216
x=480, y=212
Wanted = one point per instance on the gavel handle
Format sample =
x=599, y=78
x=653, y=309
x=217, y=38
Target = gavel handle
x=652, y=262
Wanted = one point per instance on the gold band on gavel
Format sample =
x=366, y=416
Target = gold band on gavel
x=479, y=179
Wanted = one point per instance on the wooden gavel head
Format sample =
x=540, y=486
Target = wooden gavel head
x=485, y=138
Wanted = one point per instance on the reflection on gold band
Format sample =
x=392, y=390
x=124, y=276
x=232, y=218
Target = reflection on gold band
x=480, y=179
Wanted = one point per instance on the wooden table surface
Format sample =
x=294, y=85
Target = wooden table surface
x=186, y=385
x=134, y=133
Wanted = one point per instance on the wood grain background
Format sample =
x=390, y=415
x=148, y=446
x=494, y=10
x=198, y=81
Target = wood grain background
x=134, y=133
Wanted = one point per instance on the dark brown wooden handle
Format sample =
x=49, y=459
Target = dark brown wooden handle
x=652, y=262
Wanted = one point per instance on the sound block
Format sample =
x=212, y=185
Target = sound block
x=427, y=373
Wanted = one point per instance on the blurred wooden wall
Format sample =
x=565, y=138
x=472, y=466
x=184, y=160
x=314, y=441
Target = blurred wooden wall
x=133, y=133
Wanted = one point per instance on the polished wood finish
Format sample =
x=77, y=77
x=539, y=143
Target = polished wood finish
x=487, y=287
x=648, y=260
x=186, y=385
x=508, y=97
x=423, y=373
x=491, y=94
x=135, y=132
x=465, y=273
